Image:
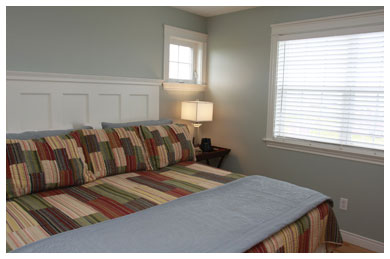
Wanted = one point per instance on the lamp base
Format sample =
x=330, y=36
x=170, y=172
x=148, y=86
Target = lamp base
x=196, y=139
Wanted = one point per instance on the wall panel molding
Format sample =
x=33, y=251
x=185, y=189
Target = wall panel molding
x=44, y=101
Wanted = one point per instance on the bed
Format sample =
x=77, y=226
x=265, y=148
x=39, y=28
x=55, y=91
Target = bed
x=126, y=175
x=41, y=215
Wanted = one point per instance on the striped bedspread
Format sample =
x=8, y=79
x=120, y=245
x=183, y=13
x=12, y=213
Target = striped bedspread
x=37, y=216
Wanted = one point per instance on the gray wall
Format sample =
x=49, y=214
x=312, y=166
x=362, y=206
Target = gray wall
x=239, y=48
x=113, y=41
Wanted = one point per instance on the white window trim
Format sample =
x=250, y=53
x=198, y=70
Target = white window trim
x=200, y=39
x=327, y=26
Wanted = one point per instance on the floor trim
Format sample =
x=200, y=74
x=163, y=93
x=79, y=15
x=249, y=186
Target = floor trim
x=361, y=241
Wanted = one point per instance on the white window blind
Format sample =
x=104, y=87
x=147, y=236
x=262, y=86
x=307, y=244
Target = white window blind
x=331, y=90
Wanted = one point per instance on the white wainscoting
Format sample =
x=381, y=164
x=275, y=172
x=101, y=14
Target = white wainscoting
x=44, y=101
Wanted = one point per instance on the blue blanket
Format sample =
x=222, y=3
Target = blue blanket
x=230, y=218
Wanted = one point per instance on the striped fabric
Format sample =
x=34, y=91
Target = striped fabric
x=304, y=235
x=41, y=164
x=40, y=215
x=168, y=144
x=113, y=151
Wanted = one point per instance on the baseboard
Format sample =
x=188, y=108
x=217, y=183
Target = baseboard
x=361, y=241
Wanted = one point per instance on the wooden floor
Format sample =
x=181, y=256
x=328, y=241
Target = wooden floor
x=349, y=248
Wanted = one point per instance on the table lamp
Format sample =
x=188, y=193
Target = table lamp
x=197, y=112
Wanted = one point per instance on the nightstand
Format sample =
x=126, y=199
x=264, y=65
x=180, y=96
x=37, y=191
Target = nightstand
x=219, y=152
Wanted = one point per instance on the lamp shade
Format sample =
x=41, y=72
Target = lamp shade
x=197, y=111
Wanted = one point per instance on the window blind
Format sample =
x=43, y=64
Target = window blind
x=331, y=90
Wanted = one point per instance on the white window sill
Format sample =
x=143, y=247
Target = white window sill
x=171, y=86
x=351, y=153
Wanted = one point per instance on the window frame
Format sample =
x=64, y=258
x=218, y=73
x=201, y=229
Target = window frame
x=198, y=42
x=328, y=26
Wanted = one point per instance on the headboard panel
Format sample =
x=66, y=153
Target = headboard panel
x=44, y=101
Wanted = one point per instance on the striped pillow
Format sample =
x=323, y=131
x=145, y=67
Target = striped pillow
x=36, y=165
x=168, y=144
x=113, y=151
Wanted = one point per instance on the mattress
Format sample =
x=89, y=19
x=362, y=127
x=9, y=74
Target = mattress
x=36, y=216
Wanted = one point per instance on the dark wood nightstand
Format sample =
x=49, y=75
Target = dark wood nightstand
x=219, y=152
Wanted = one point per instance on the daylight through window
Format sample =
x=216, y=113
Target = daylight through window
x=331, y=89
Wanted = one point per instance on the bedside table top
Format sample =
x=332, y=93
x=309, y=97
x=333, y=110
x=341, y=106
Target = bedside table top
x=217, y=152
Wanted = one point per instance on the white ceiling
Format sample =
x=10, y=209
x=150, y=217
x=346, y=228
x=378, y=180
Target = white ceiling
x=208, y=11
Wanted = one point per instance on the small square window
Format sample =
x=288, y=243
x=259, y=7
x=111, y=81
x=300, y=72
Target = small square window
x=181, y=65
x=184, y=58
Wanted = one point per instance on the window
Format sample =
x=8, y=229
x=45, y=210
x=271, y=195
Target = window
x=184, y=59
x=328, y=91
x=181, y=63
x=331, y=89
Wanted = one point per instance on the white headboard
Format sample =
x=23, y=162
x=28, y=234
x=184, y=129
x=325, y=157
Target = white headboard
x=44, y=101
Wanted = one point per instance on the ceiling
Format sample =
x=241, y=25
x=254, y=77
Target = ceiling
x=208, y=11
